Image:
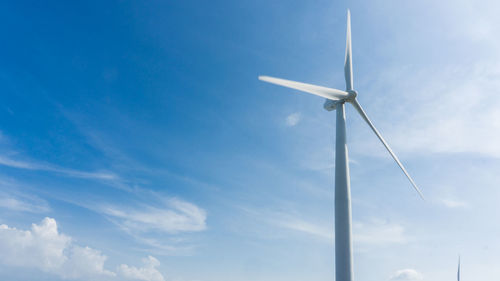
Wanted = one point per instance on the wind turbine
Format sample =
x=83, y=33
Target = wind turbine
x=458, y=271
x=336, y=100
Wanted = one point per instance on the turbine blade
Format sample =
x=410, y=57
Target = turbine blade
x=349, y=84
x=329, y=93
x=365, y=117
x=458, y=272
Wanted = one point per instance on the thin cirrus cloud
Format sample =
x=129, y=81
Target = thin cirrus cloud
x=23, y=204
x=441, y=121
x=303, y=226
x=174, y=217
x=9, y=162
x=372, y=232
x=377, y=232
x=148, y=272
x=44, y=248
x=163, y=227
x=14, y=197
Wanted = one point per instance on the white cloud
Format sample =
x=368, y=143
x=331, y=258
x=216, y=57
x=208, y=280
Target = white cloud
x=293, y=119
x=368, y=233
x=320, y=231
x=15, y=197
x=7, y=161
x=379, y=232
x=406, y=275
x=374, y=232
x=85, y=262
x=147, y=273
x=450, y=110
x=41, y=247
x=44, y=248
x=176, y=216
x=452, y=203
x=24, y=204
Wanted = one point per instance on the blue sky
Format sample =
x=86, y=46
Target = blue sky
x=136, y=142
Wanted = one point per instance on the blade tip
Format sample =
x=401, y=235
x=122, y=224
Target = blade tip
x=421, y=195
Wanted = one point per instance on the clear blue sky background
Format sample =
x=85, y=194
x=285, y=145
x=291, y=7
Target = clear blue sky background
x=136, y=142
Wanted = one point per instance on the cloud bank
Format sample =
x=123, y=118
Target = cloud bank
x=44, y=248
x=148, y=272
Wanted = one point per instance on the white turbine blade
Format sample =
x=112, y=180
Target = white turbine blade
x=349, y=84
x=365, y=117
x=328, y=93
x=458, y=272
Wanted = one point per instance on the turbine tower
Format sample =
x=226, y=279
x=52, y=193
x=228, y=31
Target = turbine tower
x=336, y=100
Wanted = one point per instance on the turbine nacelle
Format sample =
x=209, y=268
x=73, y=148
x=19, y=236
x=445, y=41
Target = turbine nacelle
x=334, y=97
x=331, y=105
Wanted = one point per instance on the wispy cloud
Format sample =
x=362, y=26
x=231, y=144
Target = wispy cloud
x=372, y=232
x=320, y=231
x=453, y=203
x=12, y=198
x=442, y=116
x=163, y=227
x=377, y=232
x=162, y=245
x=293, y=119
x=19, y=164
x=25, y=204
x=173, y=217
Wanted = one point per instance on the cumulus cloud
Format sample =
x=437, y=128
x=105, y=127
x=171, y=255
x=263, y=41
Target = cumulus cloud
x=406, y=275
x=85, y=262
x=148, y=272
x=176, y=216
x=293, y=119
x=44, y=248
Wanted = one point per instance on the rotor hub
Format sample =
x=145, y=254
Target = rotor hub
x=351, y=95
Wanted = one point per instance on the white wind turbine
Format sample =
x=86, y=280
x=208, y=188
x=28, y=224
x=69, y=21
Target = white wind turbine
x=335, y=100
